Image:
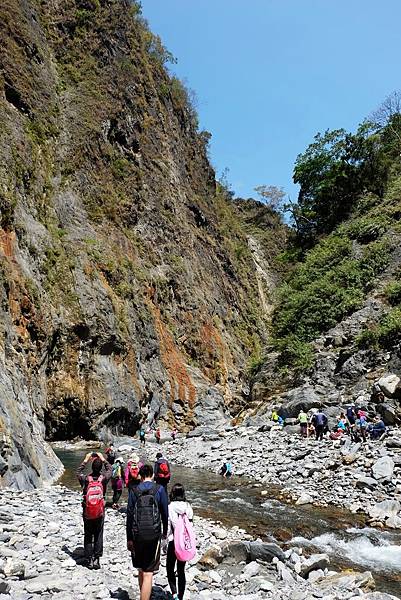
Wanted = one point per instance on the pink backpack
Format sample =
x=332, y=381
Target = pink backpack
x=184, y=539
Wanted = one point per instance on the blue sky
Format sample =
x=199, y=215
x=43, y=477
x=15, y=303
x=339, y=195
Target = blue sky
x=269, y=74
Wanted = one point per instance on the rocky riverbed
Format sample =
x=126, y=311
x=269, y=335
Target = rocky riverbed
x=41, y=556
x=362, y=477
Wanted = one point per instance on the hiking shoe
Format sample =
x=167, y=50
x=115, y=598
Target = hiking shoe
x=96, y=563
x=89, y=563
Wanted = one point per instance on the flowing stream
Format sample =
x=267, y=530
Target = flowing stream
x=341, y=534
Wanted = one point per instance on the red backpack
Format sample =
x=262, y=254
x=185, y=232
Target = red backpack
x=132, y=472
x=94, y=498
x=163, y=471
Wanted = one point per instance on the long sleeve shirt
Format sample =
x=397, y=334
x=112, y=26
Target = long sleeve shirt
x=162, y=502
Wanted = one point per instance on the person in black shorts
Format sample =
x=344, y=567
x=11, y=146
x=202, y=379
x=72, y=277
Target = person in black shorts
x=147, y=521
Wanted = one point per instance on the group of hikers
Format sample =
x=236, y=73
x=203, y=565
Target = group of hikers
x=353, y=421
x=157, y=434
x=155, y=521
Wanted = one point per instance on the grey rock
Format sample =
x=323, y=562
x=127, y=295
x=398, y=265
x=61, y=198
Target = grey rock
x=265, y=552
x=302, y=397
x=314, y=563
x=383, y=468
x=389, y=384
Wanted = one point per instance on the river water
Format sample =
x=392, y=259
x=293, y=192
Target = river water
x=342, y=535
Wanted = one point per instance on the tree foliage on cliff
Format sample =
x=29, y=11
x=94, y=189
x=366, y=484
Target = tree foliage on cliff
x=339, y=167
x=349, y=204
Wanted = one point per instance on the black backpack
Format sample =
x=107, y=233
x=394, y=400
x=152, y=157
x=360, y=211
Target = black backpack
x=146, y=523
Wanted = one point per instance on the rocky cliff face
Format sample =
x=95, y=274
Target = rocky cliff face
x=128, y=287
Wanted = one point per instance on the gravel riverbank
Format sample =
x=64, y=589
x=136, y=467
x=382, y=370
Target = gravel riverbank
x=41, y=552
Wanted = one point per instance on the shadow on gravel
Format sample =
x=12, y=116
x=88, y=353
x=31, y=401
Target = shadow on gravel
x=120, y=594
x=78, y=554
x=159, y=594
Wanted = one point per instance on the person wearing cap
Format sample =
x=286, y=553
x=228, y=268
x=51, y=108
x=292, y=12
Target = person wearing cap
x=117, y=480
x=132, y=477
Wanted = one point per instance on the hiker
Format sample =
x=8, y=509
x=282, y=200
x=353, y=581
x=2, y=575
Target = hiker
x=303, y=422
x=93, y=504
x=117, y=481
x=276, y=418
x=351, y=415
x=226, y=470
x=147, y=521
x=110, y=454
x=162, y=470
x=377, y=429
x=132, y=477
x=158, y=435
x=142, y=436
x=319, y=420
x=174, y=435
x=361, y=425
x=180, y=538
x=342, y=423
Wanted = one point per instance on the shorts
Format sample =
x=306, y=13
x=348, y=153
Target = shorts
x=146, y=556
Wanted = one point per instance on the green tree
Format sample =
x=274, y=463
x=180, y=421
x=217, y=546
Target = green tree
x=333, y=172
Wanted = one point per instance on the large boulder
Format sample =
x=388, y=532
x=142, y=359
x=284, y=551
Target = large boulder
x=303, y=397
x=265, y=552
x=388, y=414
x=390, y=385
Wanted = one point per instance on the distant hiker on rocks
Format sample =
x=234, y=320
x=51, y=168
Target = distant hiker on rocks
x=181, y=539
x=174, y=435
x=142, y=436
x=158, y=435
x=362, y=424
x=276, y=418
x=93, y=503
x=351, y=415
x=162, y=470
x=226, y=470
x=147, y=521
x=132, y=477
x=110, y=454
x=319, y=421
x=377, y=429
x=117, y=480
x=303, y=422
